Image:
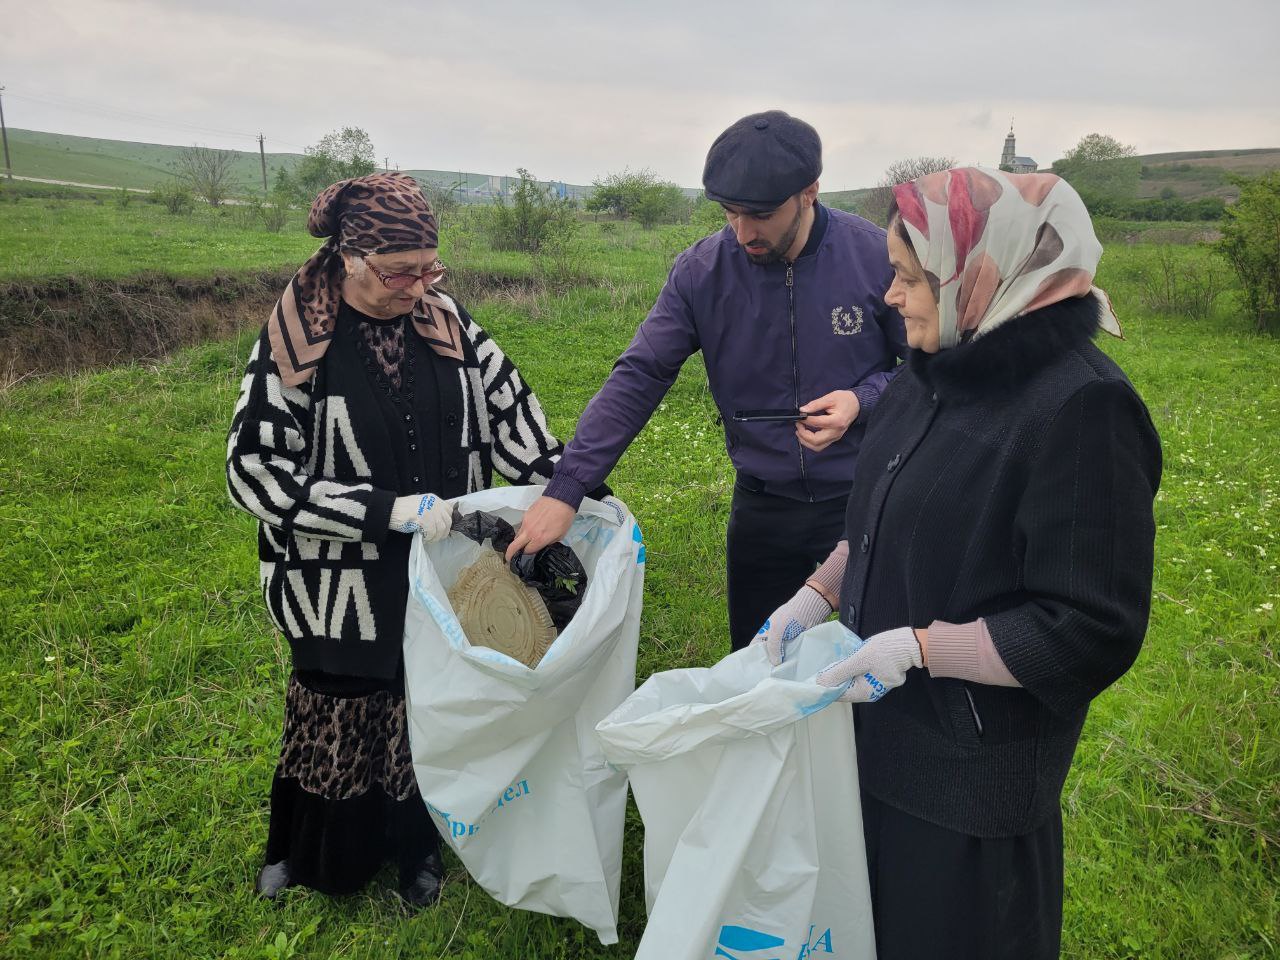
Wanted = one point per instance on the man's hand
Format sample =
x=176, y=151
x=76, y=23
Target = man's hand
x=829, y=418
x=544, y=523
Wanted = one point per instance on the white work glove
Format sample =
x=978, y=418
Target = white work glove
x=806, y=609
x=877, y=667
x=423, y=512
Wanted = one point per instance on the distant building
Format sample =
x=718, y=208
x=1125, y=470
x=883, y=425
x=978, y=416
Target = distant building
x=1010, y=161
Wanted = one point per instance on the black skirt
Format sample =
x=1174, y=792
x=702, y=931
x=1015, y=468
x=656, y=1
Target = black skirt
x=344, y=800
x=938, y=893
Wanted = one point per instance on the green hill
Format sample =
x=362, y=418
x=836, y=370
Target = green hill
x=1190, y=175
x=120, y=163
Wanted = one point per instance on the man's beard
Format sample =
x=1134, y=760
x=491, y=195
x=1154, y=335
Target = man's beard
x=777, y=253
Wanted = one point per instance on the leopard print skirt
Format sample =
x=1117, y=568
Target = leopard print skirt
x=338, y=747
x=344, y=801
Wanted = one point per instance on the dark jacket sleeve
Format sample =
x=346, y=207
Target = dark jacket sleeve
x=639, y=380
x=1086, y=529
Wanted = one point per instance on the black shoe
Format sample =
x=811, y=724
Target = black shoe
x=424, y=889
x=273, y=878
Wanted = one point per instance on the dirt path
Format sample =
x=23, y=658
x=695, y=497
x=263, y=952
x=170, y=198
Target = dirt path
x=74, y=183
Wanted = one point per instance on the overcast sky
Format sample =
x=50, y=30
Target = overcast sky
x=575, y=90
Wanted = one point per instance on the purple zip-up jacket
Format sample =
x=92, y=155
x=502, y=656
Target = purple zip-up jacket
x=771, y=336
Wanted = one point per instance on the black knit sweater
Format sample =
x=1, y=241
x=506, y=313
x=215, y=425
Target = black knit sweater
x=1011, y=479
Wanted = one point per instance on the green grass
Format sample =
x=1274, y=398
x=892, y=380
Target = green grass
x=45, y=235
x=142, y=693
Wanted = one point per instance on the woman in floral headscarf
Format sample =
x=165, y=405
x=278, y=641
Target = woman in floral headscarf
x=370, y=399
x=998, y=560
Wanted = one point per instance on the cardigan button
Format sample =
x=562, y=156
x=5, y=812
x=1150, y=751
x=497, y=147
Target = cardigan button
x=452, y=473
x=417, y=479
x=452, y=419
x=934, y=398
x=851, y=613
x=407, y=418
x=866, y=542
x=411, y=433
x=893, y=464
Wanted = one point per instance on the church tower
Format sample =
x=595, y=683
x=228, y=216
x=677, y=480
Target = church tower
x=1010, y=151
x=1009, y=159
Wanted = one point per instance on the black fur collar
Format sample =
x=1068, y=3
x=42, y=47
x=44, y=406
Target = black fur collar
x=1003, y=360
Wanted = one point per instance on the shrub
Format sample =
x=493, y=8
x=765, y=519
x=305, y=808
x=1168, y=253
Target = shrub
x=531, y=219
x=1182, y=285
x=1251, y=244
x=174, y=195
x=640, y=195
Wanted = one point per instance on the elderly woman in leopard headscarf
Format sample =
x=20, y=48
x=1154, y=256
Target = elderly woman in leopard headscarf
x=998, y=560
x=370, y=399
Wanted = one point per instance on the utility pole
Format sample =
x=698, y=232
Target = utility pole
x=262, y=153
x=4, y=133
x=386, y=164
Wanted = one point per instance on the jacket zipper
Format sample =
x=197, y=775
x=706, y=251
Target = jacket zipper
x=795, y=372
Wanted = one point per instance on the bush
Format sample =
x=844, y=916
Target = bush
x=559, y=260
x=1122, y=208
x=1251, y=244
x=275, y=212
x=1186, y=286
x=640, y=195
x=174, y=195
x=443, y=199
x=532, y=218
x=208, y=172
x=707, y=217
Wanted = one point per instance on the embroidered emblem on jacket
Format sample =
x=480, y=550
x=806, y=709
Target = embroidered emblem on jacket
x=846, y=322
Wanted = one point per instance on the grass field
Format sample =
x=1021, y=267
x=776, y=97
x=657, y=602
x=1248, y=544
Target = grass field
x=142, y=693
x=43, y=236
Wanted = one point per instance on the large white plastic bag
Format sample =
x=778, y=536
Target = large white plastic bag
x=506, y=756
x=747, y=781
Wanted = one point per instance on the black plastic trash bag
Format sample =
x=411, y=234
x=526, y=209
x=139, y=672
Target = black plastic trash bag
x=554, y=571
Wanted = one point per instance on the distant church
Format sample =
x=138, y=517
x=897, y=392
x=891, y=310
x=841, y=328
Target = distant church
x=1011, y=162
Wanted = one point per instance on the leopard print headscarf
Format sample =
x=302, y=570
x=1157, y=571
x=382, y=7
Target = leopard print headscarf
x=380, y=213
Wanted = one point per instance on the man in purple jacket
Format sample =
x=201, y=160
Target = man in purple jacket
x=786, y=305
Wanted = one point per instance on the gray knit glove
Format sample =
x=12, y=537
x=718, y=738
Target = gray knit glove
x=806, y=609
x=423, y=512
x=878, y=666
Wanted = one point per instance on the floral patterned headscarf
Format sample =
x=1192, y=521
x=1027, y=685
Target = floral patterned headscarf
x=1000, y=245
x=380, y=213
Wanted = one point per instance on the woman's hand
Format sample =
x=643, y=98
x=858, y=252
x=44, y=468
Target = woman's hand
x=422, y=512
x=806, y=609
x=879, y=665
x=829, y=418
x=546, y=522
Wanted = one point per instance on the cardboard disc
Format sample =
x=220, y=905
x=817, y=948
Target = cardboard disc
x=499, y=611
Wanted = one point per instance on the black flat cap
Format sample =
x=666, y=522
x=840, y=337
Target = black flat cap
x=762, y=160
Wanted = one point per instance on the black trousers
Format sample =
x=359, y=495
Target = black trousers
x=774, y=544
x=936, y=893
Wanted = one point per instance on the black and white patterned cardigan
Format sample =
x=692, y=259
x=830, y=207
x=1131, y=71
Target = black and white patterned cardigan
x=320, y=465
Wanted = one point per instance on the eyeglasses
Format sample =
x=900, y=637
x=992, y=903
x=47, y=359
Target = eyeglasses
x=402, y=281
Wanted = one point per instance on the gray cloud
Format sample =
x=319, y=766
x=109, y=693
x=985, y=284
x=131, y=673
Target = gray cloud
x=572, y=90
